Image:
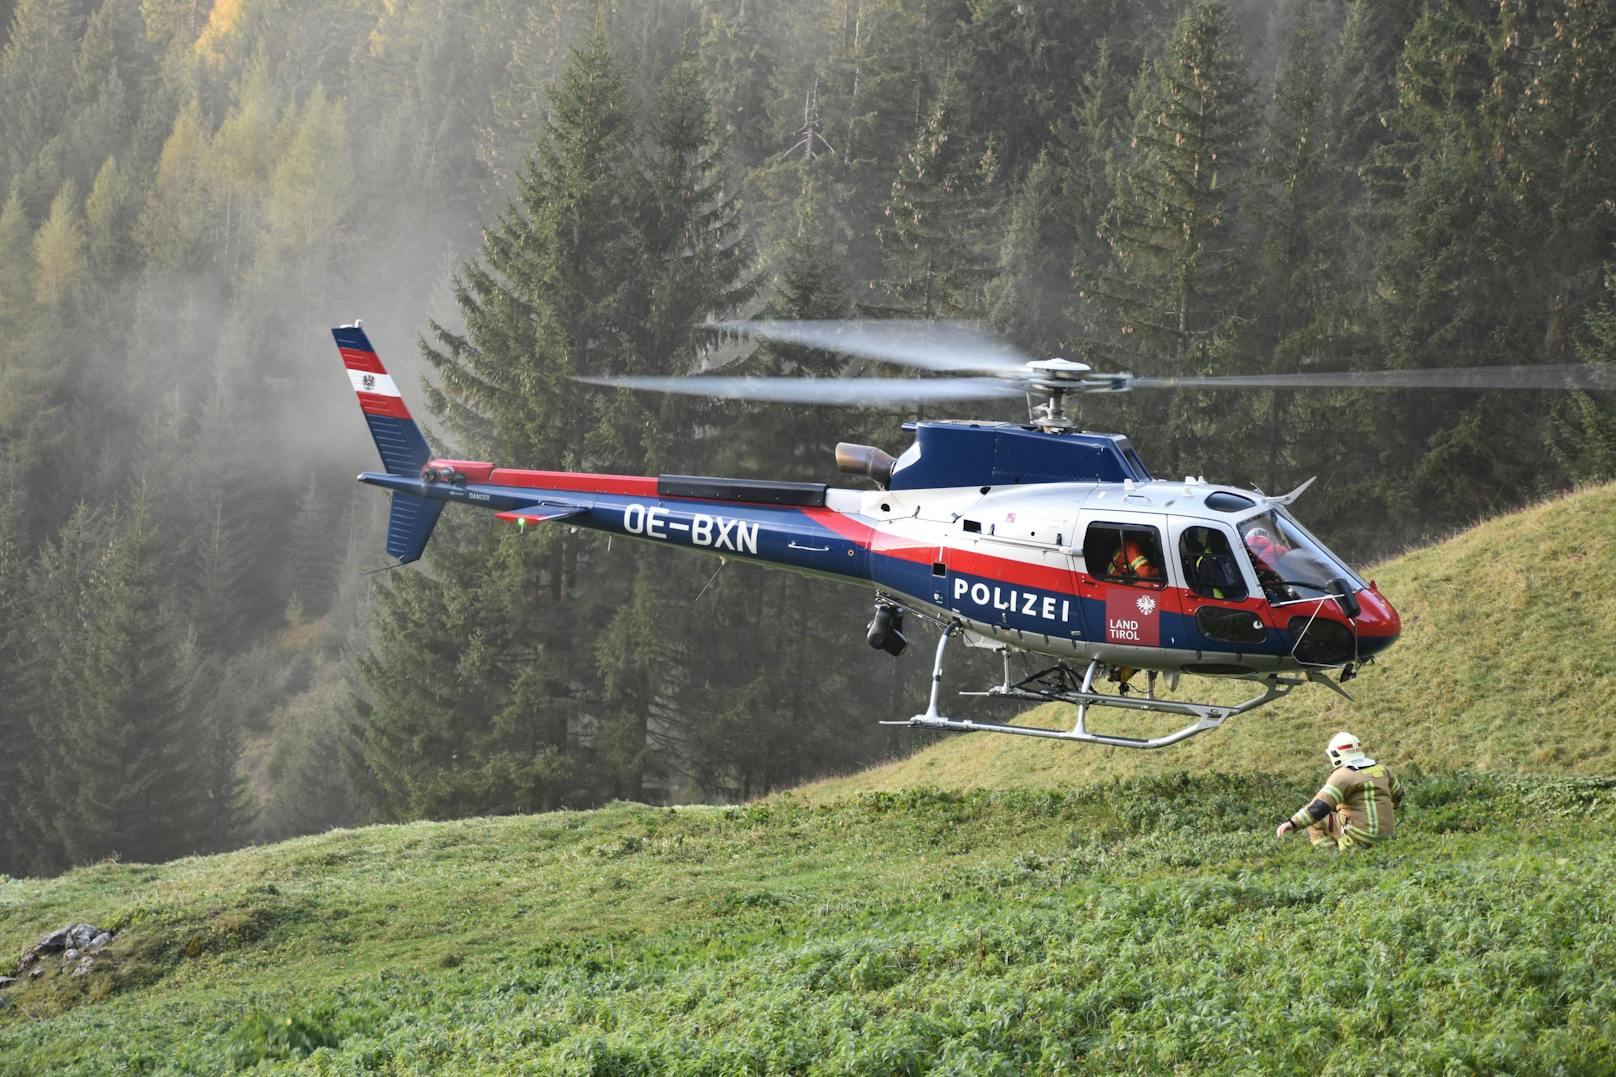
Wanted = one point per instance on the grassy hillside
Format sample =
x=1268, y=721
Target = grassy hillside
x=1144, y=927
x=1099, y=911
x=1507, y=663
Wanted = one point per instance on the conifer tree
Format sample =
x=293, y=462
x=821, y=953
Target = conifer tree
x=936, y=259
x=16, y=839
x=125, y=779
x=1032, y=297
x=312, y=553
x=1174, y=223
x=109, y=220
x=746, y=727
x=481, y=671
x=1302, y=296
x=696, y=266
x=175, y=220
x=59, y=259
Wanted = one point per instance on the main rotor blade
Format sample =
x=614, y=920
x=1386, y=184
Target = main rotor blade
x=955, y=347
x=1564, y=376
x=821, y=390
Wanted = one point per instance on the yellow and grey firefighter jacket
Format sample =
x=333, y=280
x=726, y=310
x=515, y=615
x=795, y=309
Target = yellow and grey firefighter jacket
x=1365, y=796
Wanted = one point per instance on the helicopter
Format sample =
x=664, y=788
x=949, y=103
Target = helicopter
x=1037, y=540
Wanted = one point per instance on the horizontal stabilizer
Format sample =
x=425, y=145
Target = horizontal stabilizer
x=540, y=514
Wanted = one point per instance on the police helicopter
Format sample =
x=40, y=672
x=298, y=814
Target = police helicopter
x=1039, y=540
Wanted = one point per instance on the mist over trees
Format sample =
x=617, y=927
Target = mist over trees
x=193, y=653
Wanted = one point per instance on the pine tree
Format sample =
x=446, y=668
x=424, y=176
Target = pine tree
x=477, y=692
x=746, y=727
x=309, y=192
x=1582, y=435
x=175, y=221
x=696, y=265
x=1443, y=298
x=59, y=258
x=312, y=554
x=34, y=67
x=1174, y=224
x=109, y=222
x=114, y=695
x=935, y=255
x=215, y=604
x=16, y=838
x=1032, y=297
x=1303, y=295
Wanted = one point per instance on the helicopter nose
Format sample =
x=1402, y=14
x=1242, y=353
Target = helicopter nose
x=1377, y=621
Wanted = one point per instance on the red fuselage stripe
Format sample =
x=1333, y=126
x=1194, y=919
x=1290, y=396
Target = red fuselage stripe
x=631, y=485
x=376, y=404
x=976, y=564
x=1047, y=578
x=365, y=362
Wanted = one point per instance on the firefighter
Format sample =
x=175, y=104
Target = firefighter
x=1357, y=805
x=1131, y=562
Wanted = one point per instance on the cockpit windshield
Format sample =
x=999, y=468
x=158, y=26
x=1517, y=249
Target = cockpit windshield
x=1288, y=558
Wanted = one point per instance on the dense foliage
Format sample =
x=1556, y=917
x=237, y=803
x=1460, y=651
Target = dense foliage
x=190, y=195
x=1146, y=927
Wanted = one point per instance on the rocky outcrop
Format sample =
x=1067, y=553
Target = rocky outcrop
x=77, y=943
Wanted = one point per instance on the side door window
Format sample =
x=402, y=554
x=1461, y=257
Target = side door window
x=1210, y=569
x=1214, y=577
x=1131, y=574
x=1128, y=554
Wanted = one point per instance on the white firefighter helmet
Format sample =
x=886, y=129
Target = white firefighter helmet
x=1343, y=750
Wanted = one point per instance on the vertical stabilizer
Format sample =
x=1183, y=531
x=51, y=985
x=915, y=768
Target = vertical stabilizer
x=398, y=440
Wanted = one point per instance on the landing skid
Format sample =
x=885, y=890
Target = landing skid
x=1059, y=684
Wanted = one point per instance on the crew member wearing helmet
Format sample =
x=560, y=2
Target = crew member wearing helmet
x=1357, y=805
x=1265, y=551
x=1131, y=562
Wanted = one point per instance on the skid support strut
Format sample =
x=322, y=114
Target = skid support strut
x=1059, y=684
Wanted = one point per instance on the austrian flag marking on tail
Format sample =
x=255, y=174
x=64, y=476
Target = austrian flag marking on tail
x=374, y=384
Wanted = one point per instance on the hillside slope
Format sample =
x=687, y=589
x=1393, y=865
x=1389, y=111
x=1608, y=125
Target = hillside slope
x=1148, y=927
x=1507, y=663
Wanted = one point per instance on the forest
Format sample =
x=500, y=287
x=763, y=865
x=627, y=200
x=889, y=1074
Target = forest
x=198, y=646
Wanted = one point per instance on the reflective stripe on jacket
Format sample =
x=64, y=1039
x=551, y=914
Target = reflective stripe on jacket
x=1367, y=799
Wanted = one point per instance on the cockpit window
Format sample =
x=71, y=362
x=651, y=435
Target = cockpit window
x=1124, y=553
x=1209, y=565
x=1287, y=558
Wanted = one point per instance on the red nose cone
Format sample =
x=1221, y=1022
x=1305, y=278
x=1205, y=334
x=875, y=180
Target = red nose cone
x=1378, y=623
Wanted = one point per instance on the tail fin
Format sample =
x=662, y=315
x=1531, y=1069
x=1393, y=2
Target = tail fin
x=398, y=439
x=410, y=525
x=403, y=450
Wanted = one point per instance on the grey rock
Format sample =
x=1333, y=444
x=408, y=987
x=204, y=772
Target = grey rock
x=99, y=942
x=37, y=973
x=6, y=981
x=81, y=934
x=56, y=940
x=72, y=954
x=84, y=967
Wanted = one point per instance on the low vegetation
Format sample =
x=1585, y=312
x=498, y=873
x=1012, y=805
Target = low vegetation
x=1139, y=926
x=991, y=905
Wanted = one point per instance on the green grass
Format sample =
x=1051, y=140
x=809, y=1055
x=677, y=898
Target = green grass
x=1507, y=663
x=992, y=906
x=1143, y=927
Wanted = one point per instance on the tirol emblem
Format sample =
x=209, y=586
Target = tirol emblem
x=369, y=381
x=1132, y=618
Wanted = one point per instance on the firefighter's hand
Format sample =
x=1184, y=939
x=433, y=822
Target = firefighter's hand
x=1283, y=829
